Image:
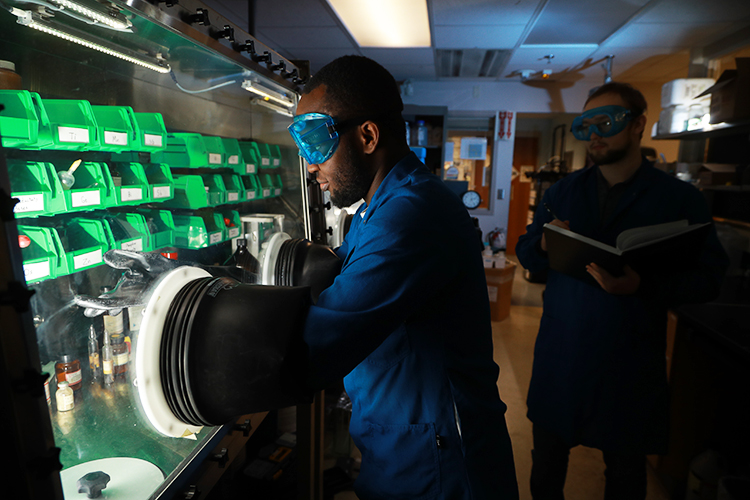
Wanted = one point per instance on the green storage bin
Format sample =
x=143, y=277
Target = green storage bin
x=37, y=188
x=90, y=191
x=278, y=186
x=251, y=156
x=40, y=252
x=234, y=188
x=184, y=150
x=23, y=121
x=127, y=184
x=160, y=227
x=198, y=231
x=82, y=242
x=232, y=224
x=71, y=123
x=251, y=186
x=117, y=129
x=217, y=155
x=127, y=231
x=264, y=152
x=152, y=136
x=275, y=151
x=234, y=155
x=160, y=182
x=266, y=185
x=198, y=191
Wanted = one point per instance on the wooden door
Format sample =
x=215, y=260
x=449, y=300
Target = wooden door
x=525, y=152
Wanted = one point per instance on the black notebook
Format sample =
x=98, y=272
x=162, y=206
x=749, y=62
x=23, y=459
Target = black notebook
x=646, y=249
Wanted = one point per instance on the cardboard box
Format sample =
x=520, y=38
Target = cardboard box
x=716, y=174
x=500, y=289
x=730, y=96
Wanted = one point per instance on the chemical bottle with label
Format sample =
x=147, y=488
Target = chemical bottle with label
x=69, y=369
x=112, y=324
x=64, y=396
x=120, y=355
x=421, y=133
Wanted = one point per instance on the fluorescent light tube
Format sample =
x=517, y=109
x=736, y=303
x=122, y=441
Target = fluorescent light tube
x=385, y=23
x=267, y=94
x=275, y=107
x=29, y=21
x=110, y=21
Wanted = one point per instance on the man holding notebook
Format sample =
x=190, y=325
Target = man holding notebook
x=599, y=377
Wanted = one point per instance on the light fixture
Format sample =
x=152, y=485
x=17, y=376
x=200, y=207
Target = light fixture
x=266, y=93
x=272, y=106
x=385, y=23
x=112, y=21
x=26, y=18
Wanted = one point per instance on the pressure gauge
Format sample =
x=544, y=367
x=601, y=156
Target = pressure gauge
x=471, y=199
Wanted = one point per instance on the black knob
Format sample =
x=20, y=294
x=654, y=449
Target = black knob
x=227, y=33
x=200, y=17
x=245, y=427
x=265, y=57
x=289, y=74
x=274, y=67
x=329, y=230
x=221, y=457
x=191, y=493
x=93, y=483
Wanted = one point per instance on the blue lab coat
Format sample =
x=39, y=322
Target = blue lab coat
x=599, y=375
x=408, y=323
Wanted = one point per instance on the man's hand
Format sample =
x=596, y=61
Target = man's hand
x=558, y=223
x=626, y=284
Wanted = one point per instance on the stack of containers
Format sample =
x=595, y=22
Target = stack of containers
x=681, y=111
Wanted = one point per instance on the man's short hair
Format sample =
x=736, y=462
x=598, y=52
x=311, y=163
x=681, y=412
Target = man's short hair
x=633, y=98
x=357, y=86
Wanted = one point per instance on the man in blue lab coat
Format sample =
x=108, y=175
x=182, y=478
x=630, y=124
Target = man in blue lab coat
x=599, y=375
x=407, y=322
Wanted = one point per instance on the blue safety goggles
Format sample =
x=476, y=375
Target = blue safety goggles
x=317, y=135
x=604, y=121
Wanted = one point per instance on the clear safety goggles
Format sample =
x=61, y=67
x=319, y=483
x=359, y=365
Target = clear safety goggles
x=317, y=135
x=604, y=121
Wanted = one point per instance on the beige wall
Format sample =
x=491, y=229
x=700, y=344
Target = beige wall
x=652, y=93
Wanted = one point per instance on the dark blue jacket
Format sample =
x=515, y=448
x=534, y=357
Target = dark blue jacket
x=408, y=323
x=599, y=376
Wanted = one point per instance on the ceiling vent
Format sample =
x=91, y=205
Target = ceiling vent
x=471, y=63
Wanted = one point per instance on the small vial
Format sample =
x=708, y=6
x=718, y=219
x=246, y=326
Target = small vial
x=64, y=396
x=94, y=362
x=107, y=360
x=120, y=355
x=112, y=324
x=69, y=369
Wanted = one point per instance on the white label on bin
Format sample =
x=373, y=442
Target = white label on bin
x=161, y=192
x=234, y=160
x=233, y=196
x=73, y=134
x=30, y=203
x=249, y=168
x=234, y=232
x=251, y=195
x=134, y=245
x=87, y=259
x=85, y=198
x=265, y=161
x=33, y=272
x=115, y=138
x=131, y=194
x=276, y=162
x=277, y=191
x=266, y=193
x=152, y=140
x=214, y=238
x=214, y=158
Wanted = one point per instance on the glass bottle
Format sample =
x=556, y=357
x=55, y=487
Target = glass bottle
x=69, y=369
x=120, y=355
x=112, y=324
x=94, y=361
x=245, y=260
x=107, y=361
x=421, y=133
x=64, y=396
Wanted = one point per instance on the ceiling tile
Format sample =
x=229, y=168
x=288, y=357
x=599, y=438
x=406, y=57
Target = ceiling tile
x=681, y=11
x=482, y=12
x=288, y=13
x=405, y=71
x=582, y=21
x=326, y=37
x=480, y=37
x=400, y=56
x=533, y=57
x=673, y=36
